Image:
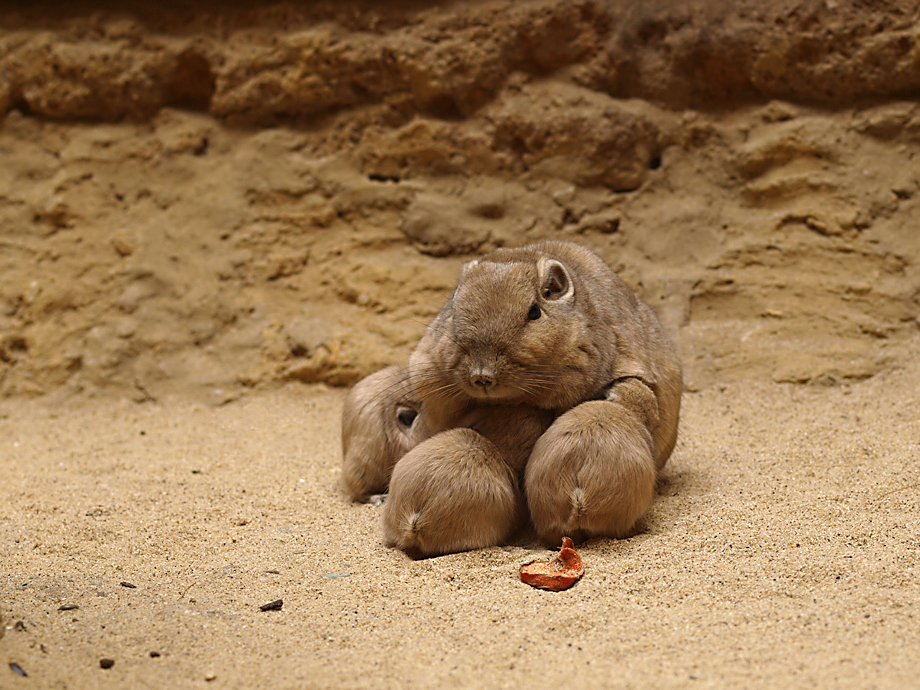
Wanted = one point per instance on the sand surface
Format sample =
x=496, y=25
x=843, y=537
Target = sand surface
x=781, y=551
x=215, y=216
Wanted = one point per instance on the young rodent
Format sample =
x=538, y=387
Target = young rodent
x=380, y=424
x=558, y=372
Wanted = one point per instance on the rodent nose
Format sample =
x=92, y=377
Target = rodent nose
x=482, y=380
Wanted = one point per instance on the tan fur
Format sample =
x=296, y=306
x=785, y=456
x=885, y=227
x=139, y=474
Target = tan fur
x=372, y=437
x=453, y=492
x=592, y=473
x=533, y=334
x=579, y=345
x=514, y=430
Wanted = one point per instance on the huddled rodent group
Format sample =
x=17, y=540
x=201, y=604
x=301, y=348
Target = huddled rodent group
x=544, y=389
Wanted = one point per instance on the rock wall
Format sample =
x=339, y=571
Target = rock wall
x=258, y=62
x=204, y=197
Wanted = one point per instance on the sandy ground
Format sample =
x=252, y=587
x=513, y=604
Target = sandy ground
x=781, y=551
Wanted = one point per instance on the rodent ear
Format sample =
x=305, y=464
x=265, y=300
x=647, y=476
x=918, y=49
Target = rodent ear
x=555, y=281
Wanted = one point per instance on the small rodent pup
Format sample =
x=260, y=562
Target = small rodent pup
x=542, y=370
x=380, y=424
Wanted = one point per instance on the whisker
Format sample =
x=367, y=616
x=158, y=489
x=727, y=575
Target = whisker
x=405, y=390
x=532, y=380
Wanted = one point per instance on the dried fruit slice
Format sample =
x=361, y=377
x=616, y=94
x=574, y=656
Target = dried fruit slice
x=556, y=575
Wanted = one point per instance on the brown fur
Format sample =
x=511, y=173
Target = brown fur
x=514, y=430
x=591, y=474
x=533, y=334
x=582, y=342
x=372, y=437
x=453, y=492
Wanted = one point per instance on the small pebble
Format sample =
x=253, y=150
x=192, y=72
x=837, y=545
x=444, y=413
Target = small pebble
x=19, y=626
x=210, y=677
x=273, y=572
x=272, y=605
x=68, y=607
x=331, y=575
x=154, y=655
x=128, y=585
x=18, y=670
x=106, y=663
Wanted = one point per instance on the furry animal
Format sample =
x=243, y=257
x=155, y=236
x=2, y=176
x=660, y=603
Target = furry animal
x=543, y=369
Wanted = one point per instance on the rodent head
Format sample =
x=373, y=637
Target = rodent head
x=514, y=332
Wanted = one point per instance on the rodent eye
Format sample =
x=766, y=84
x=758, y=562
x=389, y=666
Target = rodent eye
x=406, y=415
x=534, y=313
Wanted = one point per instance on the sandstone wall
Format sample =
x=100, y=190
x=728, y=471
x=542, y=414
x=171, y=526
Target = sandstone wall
x=204, y=197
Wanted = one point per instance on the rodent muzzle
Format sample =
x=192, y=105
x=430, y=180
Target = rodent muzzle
x=483, y=379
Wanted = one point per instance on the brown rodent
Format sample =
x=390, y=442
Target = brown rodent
x=380, y=424
x=549, y=332
x=460, y=489
x=453, y=492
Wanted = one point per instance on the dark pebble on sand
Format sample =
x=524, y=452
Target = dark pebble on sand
x=19, y=626
x=128, y=585
x=68, y=607
x=272, y=605
x=18, y=670
x=154, y=655
x=106, y=663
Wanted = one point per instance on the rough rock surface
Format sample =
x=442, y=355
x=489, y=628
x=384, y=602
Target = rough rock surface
x=208, y=197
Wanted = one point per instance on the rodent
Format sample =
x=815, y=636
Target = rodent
x=453, y=492
x=545, y=354
x=380, y=424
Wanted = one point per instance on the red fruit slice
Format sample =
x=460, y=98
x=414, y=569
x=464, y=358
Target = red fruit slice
x=556, y=575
